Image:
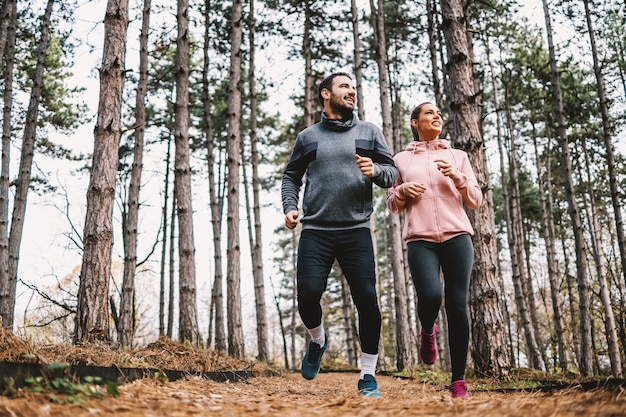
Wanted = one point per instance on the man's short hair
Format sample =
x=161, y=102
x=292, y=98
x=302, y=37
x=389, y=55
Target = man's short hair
x=328, y=84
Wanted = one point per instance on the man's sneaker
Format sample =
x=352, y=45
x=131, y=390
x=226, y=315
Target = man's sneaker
x=313, y=359
x=428, y=346
x=368, y=387
x=458, y=389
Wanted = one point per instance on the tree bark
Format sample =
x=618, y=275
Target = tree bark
x=520, y=276
x=6, y=305
x=586, y=360
x=22, y=183
x=595, y=233
x=257, y=239
x=489, y=353
x=216, y=198
x=188, y=318
x=434, y=45
x=546, y=202
x=358, y=59
x=92, y=314
x=403, y=348
x=126, y=327
x=165, y=222
x=607, y=134
x=309, y=80
x=172, y=269
x=233, y=252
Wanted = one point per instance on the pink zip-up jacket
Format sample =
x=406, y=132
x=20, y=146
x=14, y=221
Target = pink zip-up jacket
x=438, y=214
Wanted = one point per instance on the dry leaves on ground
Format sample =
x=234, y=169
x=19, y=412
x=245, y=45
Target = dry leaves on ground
x=286, y=395
x=331, y=394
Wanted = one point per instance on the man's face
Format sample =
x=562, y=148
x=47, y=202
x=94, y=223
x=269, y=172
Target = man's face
x=342, y=96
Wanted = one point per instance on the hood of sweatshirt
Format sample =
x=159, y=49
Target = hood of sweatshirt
x=418, y=146
x=339, y=125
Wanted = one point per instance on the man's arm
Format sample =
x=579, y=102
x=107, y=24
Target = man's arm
x=292, y=179
x=385, y=171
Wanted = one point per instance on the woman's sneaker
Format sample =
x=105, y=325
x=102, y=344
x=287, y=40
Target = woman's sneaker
x=458, y=389
x=368, y=387
x=428, y=346
x=312, y=361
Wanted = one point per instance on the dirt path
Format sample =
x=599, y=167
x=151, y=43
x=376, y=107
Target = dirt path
x=330, y=394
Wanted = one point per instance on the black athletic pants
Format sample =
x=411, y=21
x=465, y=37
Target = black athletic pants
x=454, y=258
x=354, y=252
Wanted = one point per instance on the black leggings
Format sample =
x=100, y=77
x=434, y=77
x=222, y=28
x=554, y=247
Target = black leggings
x=317, y=250
x=455, y=258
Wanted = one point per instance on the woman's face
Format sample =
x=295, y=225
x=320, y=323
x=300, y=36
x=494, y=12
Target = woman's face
x=428, y=123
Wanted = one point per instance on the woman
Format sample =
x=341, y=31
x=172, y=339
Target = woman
x=435, y=182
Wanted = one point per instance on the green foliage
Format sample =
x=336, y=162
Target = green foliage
x=61, y=389
x=65, y=391
x=8, y=386
x=59, y=107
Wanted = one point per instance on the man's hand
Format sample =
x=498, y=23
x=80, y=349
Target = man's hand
x=366, y=165
x=291, y=219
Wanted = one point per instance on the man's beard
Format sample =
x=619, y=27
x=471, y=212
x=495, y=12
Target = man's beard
x=338, y=106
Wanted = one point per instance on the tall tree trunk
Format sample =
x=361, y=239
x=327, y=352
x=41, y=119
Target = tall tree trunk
x=607, y=134
x=545, y=199
x=586, y=360
x=188, y=318
x=358, y=75
x=7, y=18
x=513, y=213
x=257, y=241
x=6, y=305
x=512, y=238
x=309, y=81
x=233, y=253
x=571, y=297
x=216, y=197
x=172, y=269
x=22, y=183
x=599, y=257
x=433, y=43
x=358, y=59
x=505, y=197
x=489, y=353
x=126, y=329
x=92, y=313
x=281, y=323
x=164, y=211
x=403, y=347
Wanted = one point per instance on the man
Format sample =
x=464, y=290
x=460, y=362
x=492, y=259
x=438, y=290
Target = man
x=341, y=157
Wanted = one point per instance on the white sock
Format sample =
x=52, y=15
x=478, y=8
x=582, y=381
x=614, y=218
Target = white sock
x=368, y=364
x=318, y=335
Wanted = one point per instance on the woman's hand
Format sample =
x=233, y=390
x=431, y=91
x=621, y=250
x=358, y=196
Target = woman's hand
x=446, y=168
x=413, y=189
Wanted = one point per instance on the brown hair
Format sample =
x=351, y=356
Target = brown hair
x=414, y=115
x=327, y=83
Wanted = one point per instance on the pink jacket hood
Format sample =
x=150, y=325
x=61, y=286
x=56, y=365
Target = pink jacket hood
x=438, y=214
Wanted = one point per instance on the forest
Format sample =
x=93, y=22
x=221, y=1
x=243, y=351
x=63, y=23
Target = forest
x=143, y=144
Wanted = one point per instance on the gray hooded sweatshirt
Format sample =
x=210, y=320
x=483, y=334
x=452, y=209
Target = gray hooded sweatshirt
x=337, y=195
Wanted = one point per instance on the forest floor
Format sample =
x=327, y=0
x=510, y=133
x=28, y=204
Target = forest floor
x=276, y=393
